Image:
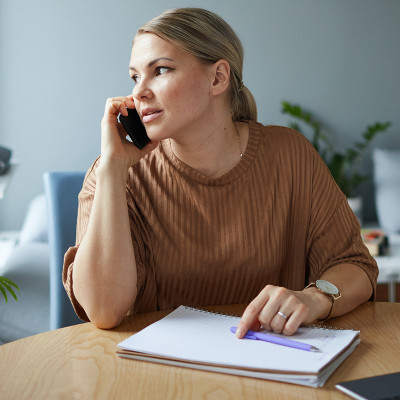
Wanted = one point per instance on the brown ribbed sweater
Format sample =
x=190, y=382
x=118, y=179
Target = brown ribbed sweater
x=276, y=218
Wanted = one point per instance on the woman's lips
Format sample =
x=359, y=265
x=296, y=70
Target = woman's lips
x=151, y=116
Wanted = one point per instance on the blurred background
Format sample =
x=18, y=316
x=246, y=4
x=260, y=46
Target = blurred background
x=339, y=59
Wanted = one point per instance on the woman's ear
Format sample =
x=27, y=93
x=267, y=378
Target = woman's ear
x=221, y=77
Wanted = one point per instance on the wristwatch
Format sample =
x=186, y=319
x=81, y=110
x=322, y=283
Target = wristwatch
x=330, y=290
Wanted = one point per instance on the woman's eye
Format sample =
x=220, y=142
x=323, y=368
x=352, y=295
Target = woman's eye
x=135, y=78
x=162, y=70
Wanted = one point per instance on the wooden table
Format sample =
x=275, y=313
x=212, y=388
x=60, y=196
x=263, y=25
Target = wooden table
x=80, y=362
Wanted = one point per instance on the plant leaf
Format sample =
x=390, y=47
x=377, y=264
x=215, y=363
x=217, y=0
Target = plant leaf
x=342, y=165
x=351, y=155
x=9, y=282
x=295, y=126
x=374, y=129
x=3, y=291
x=8, y=287
x=336, y=166
x=6, y=283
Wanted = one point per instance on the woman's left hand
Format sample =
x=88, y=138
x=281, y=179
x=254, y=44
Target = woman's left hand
x=282, y=310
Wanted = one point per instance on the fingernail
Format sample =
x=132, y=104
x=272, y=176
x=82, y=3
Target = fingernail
x=238, y=333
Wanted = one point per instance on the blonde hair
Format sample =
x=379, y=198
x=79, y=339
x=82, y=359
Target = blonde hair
x=208, y=37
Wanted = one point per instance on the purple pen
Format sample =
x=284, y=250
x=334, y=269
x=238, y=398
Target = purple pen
x=266, y=337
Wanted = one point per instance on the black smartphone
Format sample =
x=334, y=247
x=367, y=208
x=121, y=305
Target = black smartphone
x=134, y=128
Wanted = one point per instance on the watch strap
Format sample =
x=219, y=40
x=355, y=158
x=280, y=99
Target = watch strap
x=331, y=296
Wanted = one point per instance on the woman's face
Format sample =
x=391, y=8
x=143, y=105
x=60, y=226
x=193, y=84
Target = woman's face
x=172, y=88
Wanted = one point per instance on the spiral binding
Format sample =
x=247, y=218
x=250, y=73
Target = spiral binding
x=315, y=325
x=329, y=327
x=326, y=327
x=211, y=312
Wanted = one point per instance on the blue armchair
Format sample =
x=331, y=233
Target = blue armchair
x=62, y=189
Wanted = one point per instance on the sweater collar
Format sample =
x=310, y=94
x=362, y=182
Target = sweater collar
x=239, y=169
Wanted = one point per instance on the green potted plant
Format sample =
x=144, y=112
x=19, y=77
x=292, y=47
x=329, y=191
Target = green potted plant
x=343, y=165
x=6, y=284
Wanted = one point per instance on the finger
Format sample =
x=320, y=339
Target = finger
x=118, y=105
x=126, y=102
x=298, y=316
x=256, y=325
x=279, y=321
x=123, y=108
x=129, y=102
x=268, y=313
x=251, y=313
x=291, y=313
x=112, y=107
x=278, y=299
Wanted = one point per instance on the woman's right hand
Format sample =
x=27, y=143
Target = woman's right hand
x=115, y=148
x=106, y=253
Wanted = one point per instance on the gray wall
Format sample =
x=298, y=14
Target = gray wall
x=60, y=60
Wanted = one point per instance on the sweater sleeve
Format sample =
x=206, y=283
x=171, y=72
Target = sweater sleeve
x=85, y=198
x=334, y=232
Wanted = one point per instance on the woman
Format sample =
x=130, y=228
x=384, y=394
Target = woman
x=216, y=208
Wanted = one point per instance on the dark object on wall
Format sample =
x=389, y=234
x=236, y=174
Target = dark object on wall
x=5, y=156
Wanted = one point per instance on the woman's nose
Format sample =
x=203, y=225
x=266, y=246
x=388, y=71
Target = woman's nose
x=142, y=91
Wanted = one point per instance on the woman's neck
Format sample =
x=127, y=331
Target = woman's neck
x=213, y=152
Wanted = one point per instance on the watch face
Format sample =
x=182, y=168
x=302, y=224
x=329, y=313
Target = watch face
x=327, y=287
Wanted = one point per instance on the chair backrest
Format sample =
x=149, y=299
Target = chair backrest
x=62, y=189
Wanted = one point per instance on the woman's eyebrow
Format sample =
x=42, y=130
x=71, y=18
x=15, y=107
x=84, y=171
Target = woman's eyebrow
x=151, y=63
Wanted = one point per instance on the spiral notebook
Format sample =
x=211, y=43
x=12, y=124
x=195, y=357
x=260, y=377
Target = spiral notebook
x=193, y=338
